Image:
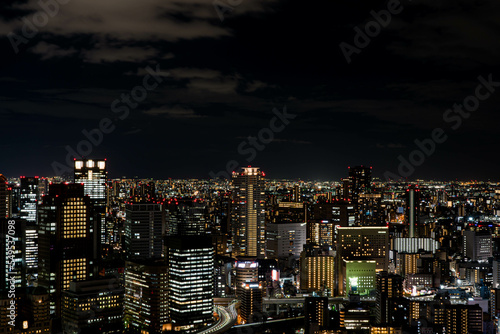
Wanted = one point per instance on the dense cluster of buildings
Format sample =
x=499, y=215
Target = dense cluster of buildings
x=100, y=255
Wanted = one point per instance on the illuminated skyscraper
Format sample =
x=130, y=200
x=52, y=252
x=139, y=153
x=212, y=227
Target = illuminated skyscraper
x=360, y=277
x=477, y=245
x=248, y=216
x=324, y=219
x=186, y=216
x=316, y=314
x=93, y=175
x=389, y=292
x=285, y=239
x=247, y=270
x=67, y=247
x=144, y=230
x=463, y=319
x=355, y=317
x=494, y=302
x=286, y=229
x=321, y=232
x=339, y=212
x=31, y=244
x=190, y=281
x=370, y=210
x=251, y=302
x=361, y=243
x=29, y=197
x=94, y=306
x=146, y=296
x=317, y=269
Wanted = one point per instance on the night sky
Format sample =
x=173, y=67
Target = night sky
x=218, y=82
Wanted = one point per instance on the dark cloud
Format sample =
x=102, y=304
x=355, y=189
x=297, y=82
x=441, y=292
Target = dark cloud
x=221, y=81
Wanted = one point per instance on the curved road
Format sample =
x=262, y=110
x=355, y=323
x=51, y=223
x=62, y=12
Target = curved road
x=227, y=318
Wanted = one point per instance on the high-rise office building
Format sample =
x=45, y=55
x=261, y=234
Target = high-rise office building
x=146, y=296
x=495, y=303
x=288, y=212
x=144, y=230
x=67, y=241
x=316, y=314
x=361, y=243
x=93, y=175
x=364, y=243
x=14, y=199
x=389, y=292
x=247, y=271
x=285, y=239
x=321, y=232
x=223, y=213
x=325, y=218
x=355, y=317
x=370, y=210
x=248, y=213
x=31, y=249
x=360, y=277
x=93, y=306
x=414, y=245
x=477, y=245
x=190, y=281
x=223, y=268
x=29, y=196
x=358, y=182
x=29, y=199
x=463, y=319
x=186, y=216
x=339, y=212
x=317, y=269
x=251, y=302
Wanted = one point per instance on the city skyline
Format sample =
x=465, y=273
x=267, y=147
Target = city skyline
x=207, y=256
x=378, y=176
x=257, y=166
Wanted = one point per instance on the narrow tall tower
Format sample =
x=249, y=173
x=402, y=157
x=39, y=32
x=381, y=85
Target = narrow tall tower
x=412, y=206
x=248, y=214
x=93, y=175
x=29, y=194
x=29, y=199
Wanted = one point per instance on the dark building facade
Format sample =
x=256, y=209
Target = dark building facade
x=68, y=241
